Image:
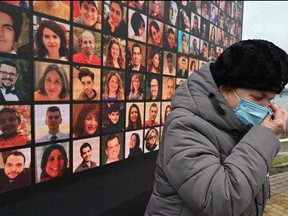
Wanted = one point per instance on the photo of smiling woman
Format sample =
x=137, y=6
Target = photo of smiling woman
x=53, y=84
x=86, y=120
x=50, y=40
x=134, y=116
x=52, y=162
x=115, y=53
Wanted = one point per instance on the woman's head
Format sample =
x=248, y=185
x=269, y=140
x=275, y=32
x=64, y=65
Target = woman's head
x=193, y=66
x=54, y=161
x=116, y=12
x=138, y=24
x=54, y=82
x=87, y=122
x=114, y=52
x=154, y=32
x=134, y=141
x=134, y=120
x=114, y=85
x=167, y=111
x=136, y=83
x=50, y=36
x=154, y=61
x=151, y=138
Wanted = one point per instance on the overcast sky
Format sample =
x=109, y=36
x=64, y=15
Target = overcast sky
x=266, y=20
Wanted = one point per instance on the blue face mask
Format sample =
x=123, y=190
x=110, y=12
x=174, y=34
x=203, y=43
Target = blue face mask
x=249, y=113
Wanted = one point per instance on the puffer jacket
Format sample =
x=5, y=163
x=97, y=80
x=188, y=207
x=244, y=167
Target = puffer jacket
x=208, y=162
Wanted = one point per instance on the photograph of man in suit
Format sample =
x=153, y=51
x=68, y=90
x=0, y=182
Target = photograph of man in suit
x=8, y=76
x=183, y=71
x=136, y=58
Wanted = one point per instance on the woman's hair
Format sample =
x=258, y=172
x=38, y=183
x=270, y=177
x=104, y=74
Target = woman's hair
x=136, y=22
x=192, y=63
x=150, y=63
x=138, y=121
x=120, y=90
x=53, y=26
x=137, y=144
x=165, y=114
x=155, y=25
x=147, y=135
x=134, y=77
x=47, y=153
x=78, y=128
x=61, y=72
x=121, y=58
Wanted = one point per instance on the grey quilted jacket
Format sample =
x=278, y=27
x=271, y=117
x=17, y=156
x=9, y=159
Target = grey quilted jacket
x=208, y=162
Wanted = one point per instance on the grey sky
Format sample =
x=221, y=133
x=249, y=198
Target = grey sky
x=266, y=20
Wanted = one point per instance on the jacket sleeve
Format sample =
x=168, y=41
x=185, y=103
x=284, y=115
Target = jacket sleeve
x=208, y=185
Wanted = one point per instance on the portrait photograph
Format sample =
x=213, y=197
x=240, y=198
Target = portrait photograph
x=113, y=83
x=179, y=82
x=155, y=32
x=86, y=120
x=194, y=46
x=170, y=38
x=112, y=148
x=182, y=65
x=169, y=63
x=136, y=56
x=134, y=115
x=151, y=139
x=86, y=46
x=113, y=117
x=137, y=26
x=171, y=13
x=15, y=37
x=86, y=83
x=135, y=88
x=51, y=81
x=154, y=60
x=152, y=114
x=153, y=87
x=168, y=87
x=142, y=6
x=114, y=52
x=11, y=179
x=86, y=154
x=45, y=159
x=183, y=42
x=195, y=24
x=15, y=125
x=133, y=143
x=204, y=29
x=15, y=77
x=88, y=13
x=115, y=26
x=165, y=111
x=193, y=65
x=156, y=9
x=46, y=29
x=51, y=120
x=59, y=9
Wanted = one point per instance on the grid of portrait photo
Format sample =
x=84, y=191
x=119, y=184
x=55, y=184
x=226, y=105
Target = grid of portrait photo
x=87, y=83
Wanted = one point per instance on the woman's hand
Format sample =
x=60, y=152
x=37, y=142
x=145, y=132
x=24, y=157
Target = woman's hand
x=279, y=121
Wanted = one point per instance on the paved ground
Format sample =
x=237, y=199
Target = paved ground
x=278, y=203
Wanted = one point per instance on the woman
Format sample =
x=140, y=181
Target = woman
x=113, y=89
x=213, y=35
x=218, y=147
x=136, y=89
x=184, y=21
x=134, y=118
x=53, y=85
x=51, y=41
x=138, y=26
x=155, y=35
x=167, y=111
x=54, y=162
x=151, y=139
x=87, y=123
x=115, y=56
x=153, y=64
x=184, y=44
x=192, y=67
x=156, y=9
x=134, y=145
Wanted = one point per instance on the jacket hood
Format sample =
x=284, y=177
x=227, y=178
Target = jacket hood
x=200, y=95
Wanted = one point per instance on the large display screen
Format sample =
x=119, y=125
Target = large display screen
x=84, y=84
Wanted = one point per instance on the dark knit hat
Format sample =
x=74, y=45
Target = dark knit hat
x=255, y=64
